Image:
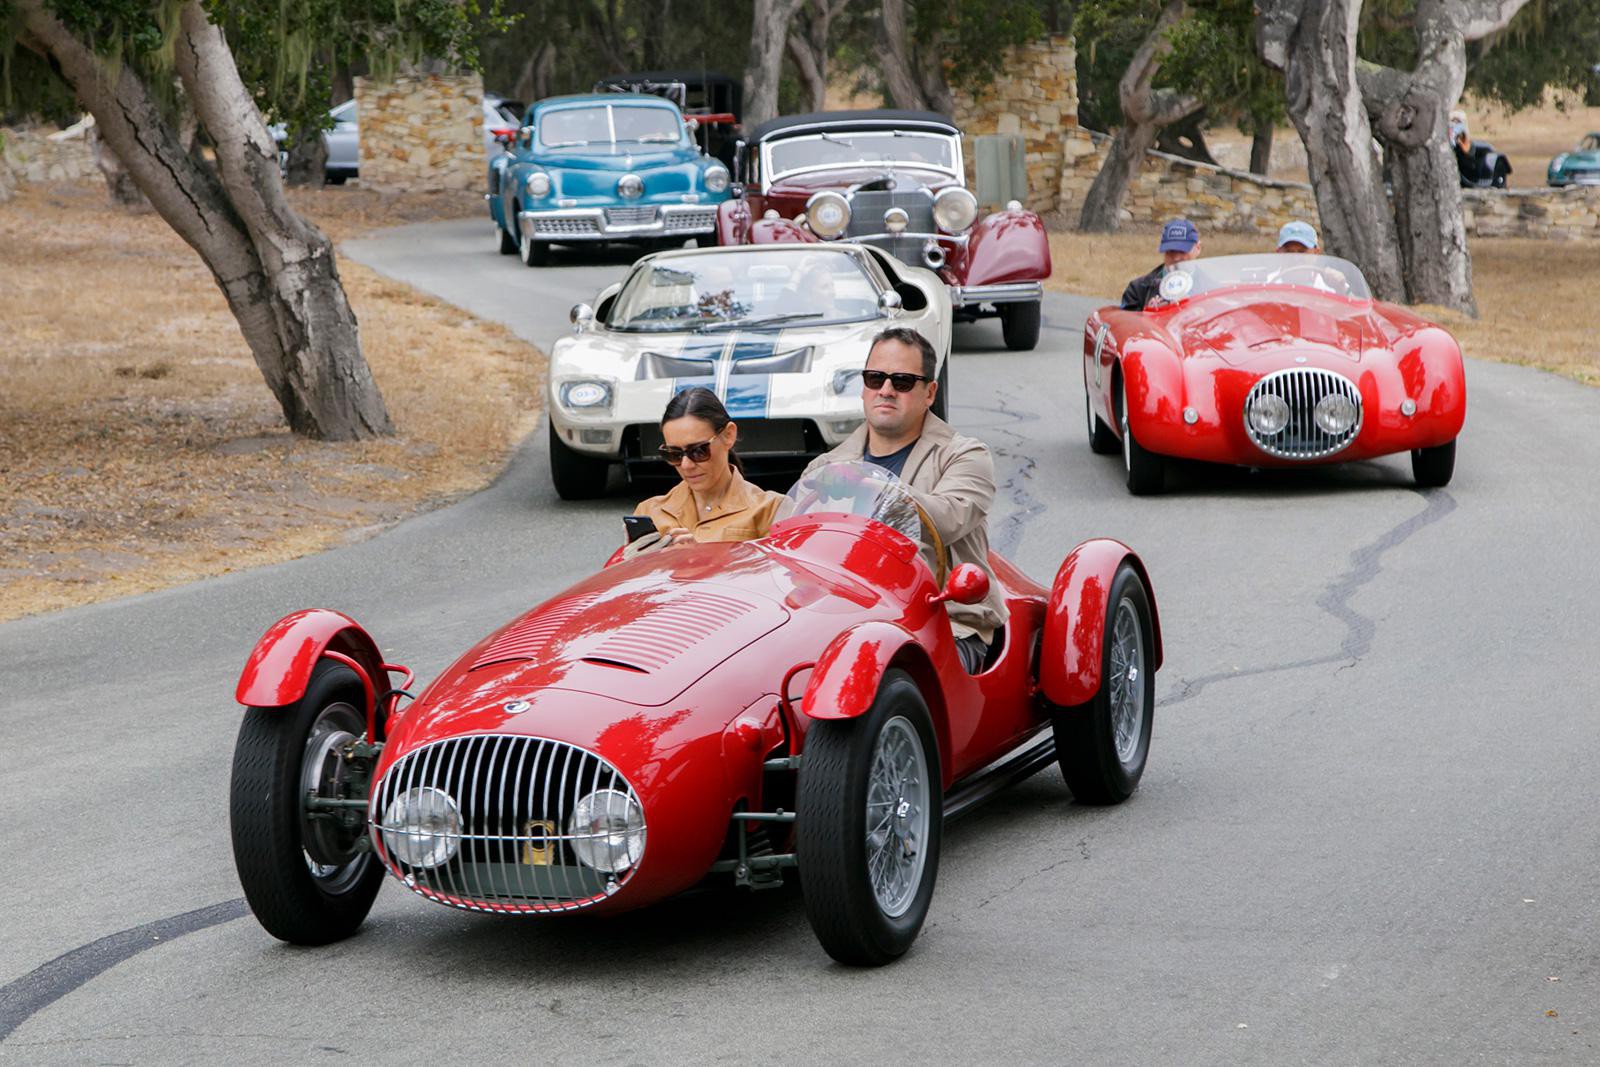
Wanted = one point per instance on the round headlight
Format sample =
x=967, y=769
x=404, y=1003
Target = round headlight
x=538, y=183
x=422, y=827
x=1335, y=414
x=630, y=187
x=1269, y=414
x=607, y=831
x=895, y=220
x=585, y=394
x=828, y=213
x=716, y=178
x=955, y=209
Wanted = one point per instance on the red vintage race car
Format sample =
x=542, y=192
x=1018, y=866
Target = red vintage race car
x=894, y=179
x=1270, y=360
x=709, y=712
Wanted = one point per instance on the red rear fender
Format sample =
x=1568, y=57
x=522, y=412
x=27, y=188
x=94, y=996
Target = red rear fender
x=279, y=667
x=733, y=222
x=1075, y=622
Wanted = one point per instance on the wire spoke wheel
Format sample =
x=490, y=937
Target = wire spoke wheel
x=896, y=816
x=1125, y=680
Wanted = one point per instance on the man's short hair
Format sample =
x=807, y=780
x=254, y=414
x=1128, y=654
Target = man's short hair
x=907, y=336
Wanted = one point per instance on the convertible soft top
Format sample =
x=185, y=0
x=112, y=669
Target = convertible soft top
x=874, y=118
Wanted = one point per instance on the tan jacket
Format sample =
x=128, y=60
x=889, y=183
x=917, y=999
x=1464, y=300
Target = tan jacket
x=952, y=477
x=745, y=512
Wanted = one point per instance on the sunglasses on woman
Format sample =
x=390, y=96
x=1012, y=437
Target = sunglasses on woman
x=698, y=452
x=874, y=379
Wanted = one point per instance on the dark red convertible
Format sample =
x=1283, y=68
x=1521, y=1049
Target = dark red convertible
x=894, y=179
x=717, y=711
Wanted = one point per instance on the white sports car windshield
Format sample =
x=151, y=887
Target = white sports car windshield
x=609, y=124
x=744, y=289
x=1327, y=274
x=851, y=148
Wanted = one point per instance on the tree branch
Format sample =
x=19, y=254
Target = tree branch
x=1133, y=90
x=1483, y=17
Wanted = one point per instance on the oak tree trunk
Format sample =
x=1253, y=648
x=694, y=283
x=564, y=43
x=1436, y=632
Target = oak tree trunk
x=276, y=271
x=1261, y=149
x=900, y=76
x=1102, y=205
x=808, y=47
x=121, y=187
x=769, y=31
x=307, y=159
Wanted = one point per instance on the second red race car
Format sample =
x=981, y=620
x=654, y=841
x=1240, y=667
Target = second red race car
x=718, y=711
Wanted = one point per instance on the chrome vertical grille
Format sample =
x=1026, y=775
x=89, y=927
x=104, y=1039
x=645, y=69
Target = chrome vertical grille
x=866, y=216
x=1302, y=388
x=514, y=849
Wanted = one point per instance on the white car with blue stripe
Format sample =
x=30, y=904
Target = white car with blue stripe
x=780, y=332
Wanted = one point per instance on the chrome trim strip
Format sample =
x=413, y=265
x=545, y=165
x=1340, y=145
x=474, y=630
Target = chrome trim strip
x=1005, y=293
x=665, y=213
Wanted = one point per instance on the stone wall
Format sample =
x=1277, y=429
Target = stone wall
x=41, y=155
x=1035, y=95
x=1561, y=214
x=421, y=132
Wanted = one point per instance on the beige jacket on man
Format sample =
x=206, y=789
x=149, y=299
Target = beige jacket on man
x=952, y=477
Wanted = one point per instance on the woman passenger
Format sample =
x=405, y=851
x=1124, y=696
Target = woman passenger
x=712, y=501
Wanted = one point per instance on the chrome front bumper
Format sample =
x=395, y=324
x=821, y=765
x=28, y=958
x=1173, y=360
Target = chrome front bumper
x=620, y=224
x=1006, y=293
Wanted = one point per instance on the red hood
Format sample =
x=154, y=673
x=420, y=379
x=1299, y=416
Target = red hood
x=1243, y=326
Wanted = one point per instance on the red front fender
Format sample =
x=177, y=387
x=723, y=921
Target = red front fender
x=733, y=222
x=845, y=681
x=1007, y=246
x=279, y=667
x=1075, y=622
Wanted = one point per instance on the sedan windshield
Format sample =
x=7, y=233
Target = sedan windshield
x=1590, y=143
x=609, y=124
x=851, y=148
x=745, y=290
x=1327, y=274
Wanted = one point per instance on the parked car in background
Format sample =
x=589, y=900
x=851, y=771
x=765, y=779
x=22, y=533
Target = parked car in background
x=501, y=120
x=779, y=332
x=894, y=180
x=603, y=167
x=1581, y=166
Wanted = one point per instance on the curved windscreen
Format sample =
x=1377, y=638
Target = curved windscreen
x=744, y=289
x=856, y=487
x=850, y=148
x=1328, y=274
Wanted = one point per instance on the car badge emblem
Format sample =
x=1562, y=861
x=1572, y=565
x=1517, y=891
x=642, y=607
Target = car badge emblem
x=1176, y=285
x=1299, y=359
x=517, y=707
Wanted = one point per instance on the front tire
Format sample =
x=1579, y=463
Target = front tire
x=576, y=476
x=1434, y=467
x=1019, y=325
x=1103, y=746
x=1102, y=442
x=508, y=243
x=533, y=253
x=309, y=881
x=1147, y=471
x=869, y=816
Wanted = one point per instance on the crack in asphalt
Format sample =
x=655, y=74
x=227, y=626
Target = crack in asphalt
x=41, y=987
x=1081, y=853
x=1006, y=536
x=1365, y=564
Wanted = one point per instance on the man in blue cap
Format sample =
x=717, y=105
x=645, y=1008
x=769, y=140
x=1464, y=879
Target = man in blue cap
x=1297, y=236
x=1179, y=241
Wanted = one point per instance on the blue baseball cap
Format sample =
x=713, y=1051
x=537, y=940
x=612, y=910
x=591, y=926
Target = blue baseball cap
x=1297, y=231
x=1179, y=235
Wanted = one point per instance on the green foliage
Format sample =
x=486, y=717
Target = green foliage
x=1549, y=44
x=973, y=35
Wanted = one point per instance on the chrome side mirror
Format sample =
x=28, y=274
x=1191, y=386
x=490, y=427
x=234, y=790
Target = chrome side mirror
x=525, y=136
x=582, y=315
x=889, y=301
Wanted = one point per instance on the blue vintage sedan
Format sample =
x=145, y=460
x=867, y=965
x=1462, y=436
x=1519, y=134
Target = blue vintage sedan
x=603, y=167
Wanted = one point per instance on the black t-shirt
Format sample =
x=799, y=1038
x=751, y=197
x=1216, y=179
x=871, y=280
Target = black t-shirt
x=1141, y=289
x=894, y=462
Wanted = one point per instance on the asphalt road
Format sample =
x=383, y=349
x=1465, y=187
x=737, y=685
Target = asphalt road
x=1367, y=831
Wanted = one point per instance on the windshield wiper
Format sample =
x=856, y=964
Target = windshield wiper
x=756, y=324
x=831, y=139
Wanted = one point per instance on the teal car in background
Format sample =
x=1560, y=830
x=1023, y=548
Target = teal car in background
x=1581, y=166
x=603, y=167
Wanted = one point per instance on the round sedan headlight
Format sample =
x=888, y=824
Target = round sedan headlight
x=955, y=210
x=716, y=178
x=1335, y=414
x=630, y=187
x=422, y=827
x=538, y=183
x=828, y=214
x=607, y=831
x=1269, y=414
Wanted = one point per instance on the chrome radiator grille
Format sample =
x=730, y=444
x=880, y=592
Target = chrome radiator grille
x=555, y=227
x=644, y=215
x=515, y=846
x=866, y=216
x=1302, y=388
x=692, y=221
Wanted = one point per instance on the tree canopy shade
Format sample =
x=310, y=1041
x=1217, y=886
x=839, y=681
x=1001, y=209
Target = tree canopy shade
x=154, y=71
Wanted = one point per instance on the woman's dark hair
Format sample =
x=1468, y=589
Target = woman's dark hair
x=701, y=403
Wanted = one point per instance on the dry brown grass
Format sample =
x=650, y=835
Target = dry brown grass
x=1532, y=295
x=139, y=447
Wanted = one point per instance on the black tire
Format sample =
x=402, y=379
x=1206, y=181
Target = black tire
x=533, y=253
x=508, y=243
x=831, y=837
x=1147, y=471
x=1019, y=325
x=274, y=845
x=576, y=476
x=335, y=179
x=1087, y=736
x=1102, y=442
x=941, y=399
x=1434, y=467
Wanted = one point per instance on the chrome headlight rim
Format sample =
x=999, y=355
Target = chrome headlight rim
x=828, y=214
x=1268, y=414
x=1335, y=414
x=717, y=178
x=418, y=838
x=630, y=187
x=955, y=209
x=586, y=394
x=537, y=183
x=895, y=220
x=598, y=848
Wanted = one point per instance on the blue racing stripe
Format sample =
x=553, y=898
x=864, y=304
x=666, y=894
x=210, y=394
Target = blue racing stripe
x=748, y=395
x=681, y=384
x=754, y=349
